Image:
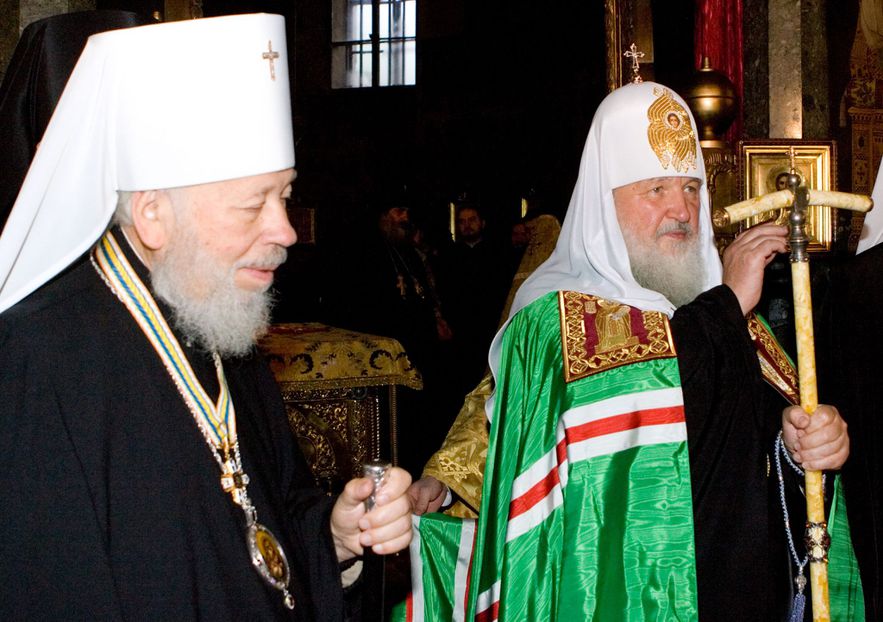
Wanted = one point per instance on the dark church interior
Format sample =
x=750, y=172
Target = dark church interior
x=504, y=96
x=490, y=121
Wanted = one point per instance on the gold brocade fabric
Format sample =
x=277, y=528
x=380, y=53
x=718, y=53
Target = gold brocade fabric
x=459, y=464
x=543, y=230
x=460, y=461
x=323, y=357
x=777, y=368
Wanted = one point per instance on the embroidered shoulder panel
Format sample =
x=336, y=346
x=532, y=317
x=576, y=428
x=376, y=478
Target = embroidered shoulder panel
x=777, y=368
x=599, y=334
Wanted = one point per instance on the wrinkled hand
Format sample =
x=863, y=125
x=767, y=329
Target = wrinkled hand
x=818, y=442
x=427, y=495
x=745, y=259
x=386, y=528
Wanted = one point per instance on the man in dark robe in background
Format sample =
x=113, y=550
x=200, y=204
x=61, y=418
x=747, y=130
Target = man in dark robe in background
x=388, y=292
x=473, y=280
x=380, y=285
x=147, y=466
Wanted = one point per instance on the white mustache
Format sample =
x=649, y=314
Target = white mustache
x=272, y=260
x=684, y=227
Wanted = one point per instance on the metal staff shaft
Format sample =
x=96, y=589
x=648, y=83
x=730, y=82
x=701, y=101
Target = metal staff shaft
x=799, y=199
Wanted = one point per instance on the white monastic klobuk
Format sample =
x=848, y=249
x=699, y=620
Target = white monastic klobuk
x=145, y=109
x=640, y=131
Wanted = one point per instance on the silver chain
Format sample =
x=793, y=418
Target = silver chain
x=779, y=450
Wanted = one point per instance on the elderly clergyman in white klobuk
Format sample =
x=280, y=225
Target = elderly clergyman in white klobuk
x=146, y=464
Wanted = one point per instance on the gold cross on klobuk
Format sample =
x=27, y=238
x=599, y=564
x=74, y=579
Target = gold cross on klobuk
x=271, y=56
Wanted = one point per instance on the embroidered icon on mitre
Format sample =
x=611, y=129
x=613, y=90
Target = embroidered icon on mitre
x=671, y=133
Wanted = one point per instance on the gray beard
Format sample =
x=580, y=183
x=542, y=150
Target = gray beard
x=219, y=316
x=679, y=277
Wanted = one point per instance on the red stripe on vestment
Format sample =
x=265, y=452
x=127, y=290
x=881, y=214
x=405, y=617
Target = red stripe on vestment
x=626, y=421
x=592, y=429
x=490, y=614
x=561, y=451
x=409, y=607
x=542, y=488
x=537, y=493
x=469, y=571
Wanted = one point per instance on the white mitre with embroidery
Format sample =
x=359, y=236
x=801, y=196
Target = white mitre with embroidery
x=159, y=106
x=640, y=131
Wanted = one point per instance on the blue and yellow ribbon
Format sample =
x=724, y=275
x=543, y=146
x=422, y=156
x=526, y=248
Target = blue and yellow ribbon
x=217, y=420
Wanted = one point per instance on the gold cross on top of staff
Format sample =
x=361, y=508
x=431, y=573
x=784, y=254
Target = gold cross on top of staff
x=635, y=55
x=271, y=56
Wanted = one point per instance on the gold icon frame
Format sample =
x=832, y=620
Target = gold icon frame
x=761, y=162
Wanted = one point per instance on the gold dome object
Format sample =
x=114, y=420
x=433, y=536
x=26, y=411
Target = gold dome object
x=712, y=98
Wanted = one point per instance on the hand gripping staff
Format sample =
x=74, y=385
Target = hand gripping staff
x=797, y=199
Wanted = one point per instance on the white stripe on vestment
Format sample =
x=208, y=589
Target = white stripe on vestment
x=488, y=598
x=564, y=465
x=627, y=439
x=523, y=523
x=593, y=447
x=461, y=575
x=621, y=404
x=417, y=604
x=538, y=471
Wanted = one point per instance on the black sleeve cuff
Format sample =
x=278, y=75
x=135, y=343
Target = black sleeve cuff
x=721, y=302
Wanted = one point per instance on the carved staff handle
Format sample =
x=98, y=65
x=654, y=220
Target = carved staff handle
x=785, y=198
x=798, y=199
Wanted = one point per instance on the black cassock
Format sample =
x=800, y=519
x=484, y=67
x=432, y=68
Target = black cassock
x=851, y=376
x=733, y=417
x=112, y=506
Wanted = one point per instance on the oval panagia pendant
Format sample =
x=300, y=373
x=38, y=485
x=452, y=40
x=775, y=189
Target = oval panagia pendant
x=269, y=560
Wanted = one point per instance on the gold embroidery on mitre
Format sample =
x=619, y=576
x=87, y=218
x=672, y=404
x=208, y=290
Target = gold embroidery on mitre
x=599, y=334
x=671, y=133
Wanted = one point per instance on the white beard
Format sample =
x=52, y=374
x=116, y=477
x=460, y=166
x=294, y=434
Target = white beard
x=207, y=306
x=679, y=276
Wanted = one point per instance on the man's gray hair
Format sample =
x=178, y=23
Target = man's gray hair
x=123, y=213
